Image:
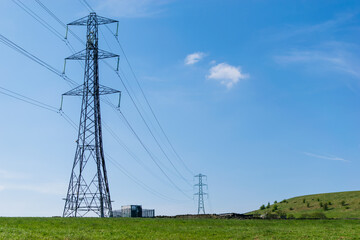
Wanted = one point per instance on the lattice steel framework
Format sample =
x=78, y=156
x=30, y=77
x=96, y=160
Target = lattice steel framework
x=201, y=193
x=88, y=192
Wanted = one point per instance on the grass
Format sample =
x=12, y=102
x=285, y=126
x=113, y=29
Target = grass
x=339, y=205
x=125, y=228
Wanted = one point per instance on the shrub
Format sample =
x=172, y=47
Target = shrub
x=321, y=204
x=343, y=203
x=291, y=209
x=308, y=205
x=304, y=200
x=318, y=215
x=325, y=207
x=268, y=205
x=305, y=215
x=347, y=207
x=275, y=202
x=281, y=214
x=318, y=199
x=270, y=216
x=262, y=207
x=290, y=216
x=329, y=203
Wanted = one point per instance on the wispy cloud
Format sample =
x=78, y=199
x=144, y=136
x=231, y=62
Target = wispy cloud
x=332, y=158
x=339, y=57
x=337, y=22
x=47, y=188
x=11, y=175
x=133, y=8
x=226, y=74
x=194, y=58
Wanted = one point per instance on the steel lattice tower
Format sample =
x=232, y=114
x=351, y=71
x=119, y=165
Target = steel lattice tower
x=88, y=192
x=200, y=193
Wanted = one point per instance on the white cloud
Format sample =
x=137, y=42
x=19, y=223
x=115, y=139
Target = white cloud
x=226, y=74
x=332, y=158
x=133, y=8
x=194, y=58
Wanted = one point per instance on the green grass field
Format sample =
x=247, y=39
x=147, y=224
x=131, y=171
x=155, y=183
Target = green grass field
x=339, y=205
x=122, y=228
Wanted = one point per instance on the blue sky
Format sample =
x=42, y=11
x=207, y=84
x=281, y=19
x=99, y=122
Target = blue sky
x=261, y=96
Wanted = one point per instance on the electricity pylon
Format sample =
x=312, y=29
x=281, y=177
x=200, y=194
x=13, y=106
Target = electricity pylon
x=201, y=193
x=88, y=192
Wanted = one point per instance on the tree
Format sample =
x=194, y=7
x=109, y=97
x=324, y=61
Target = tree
x=262, y=207
x=268, y=205
x=275, y=207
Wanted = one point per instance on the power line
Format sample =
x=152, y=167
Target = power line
x=28, y=100
x=137, y=181
x=89, y=7
x=147, y=126
x=32, y=57
x=38, y=19
x=131, y=154
x=37, y=103
x=132, y=130
x=14, y=46
x=148, y=103
x=151, y=109
x=59, y=21
x=151, y=156
x=27, y=54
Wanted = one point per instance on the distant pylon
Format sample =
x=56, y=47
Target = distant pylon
x=201, y=193
x=88, y=192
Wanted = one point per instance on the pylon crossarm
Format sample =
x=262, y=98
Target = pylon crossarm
x=102, y=54
x=104, y=20
x=100, y=20
x=103, y=90
x=79, y=91
x=81, y=21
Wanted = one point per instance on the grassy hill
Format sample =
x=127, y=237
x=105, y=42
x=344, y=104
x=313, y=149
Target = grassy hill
x=332, y=205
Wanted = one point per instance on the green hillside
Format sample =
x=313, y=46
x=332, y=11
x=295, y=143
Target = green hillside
x=331, y=205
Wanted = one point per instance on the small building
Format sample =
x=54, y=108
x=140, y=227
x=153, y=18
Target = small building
x=134, y=211
x=117, y=213
x=148, y=213
x=131, y=211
